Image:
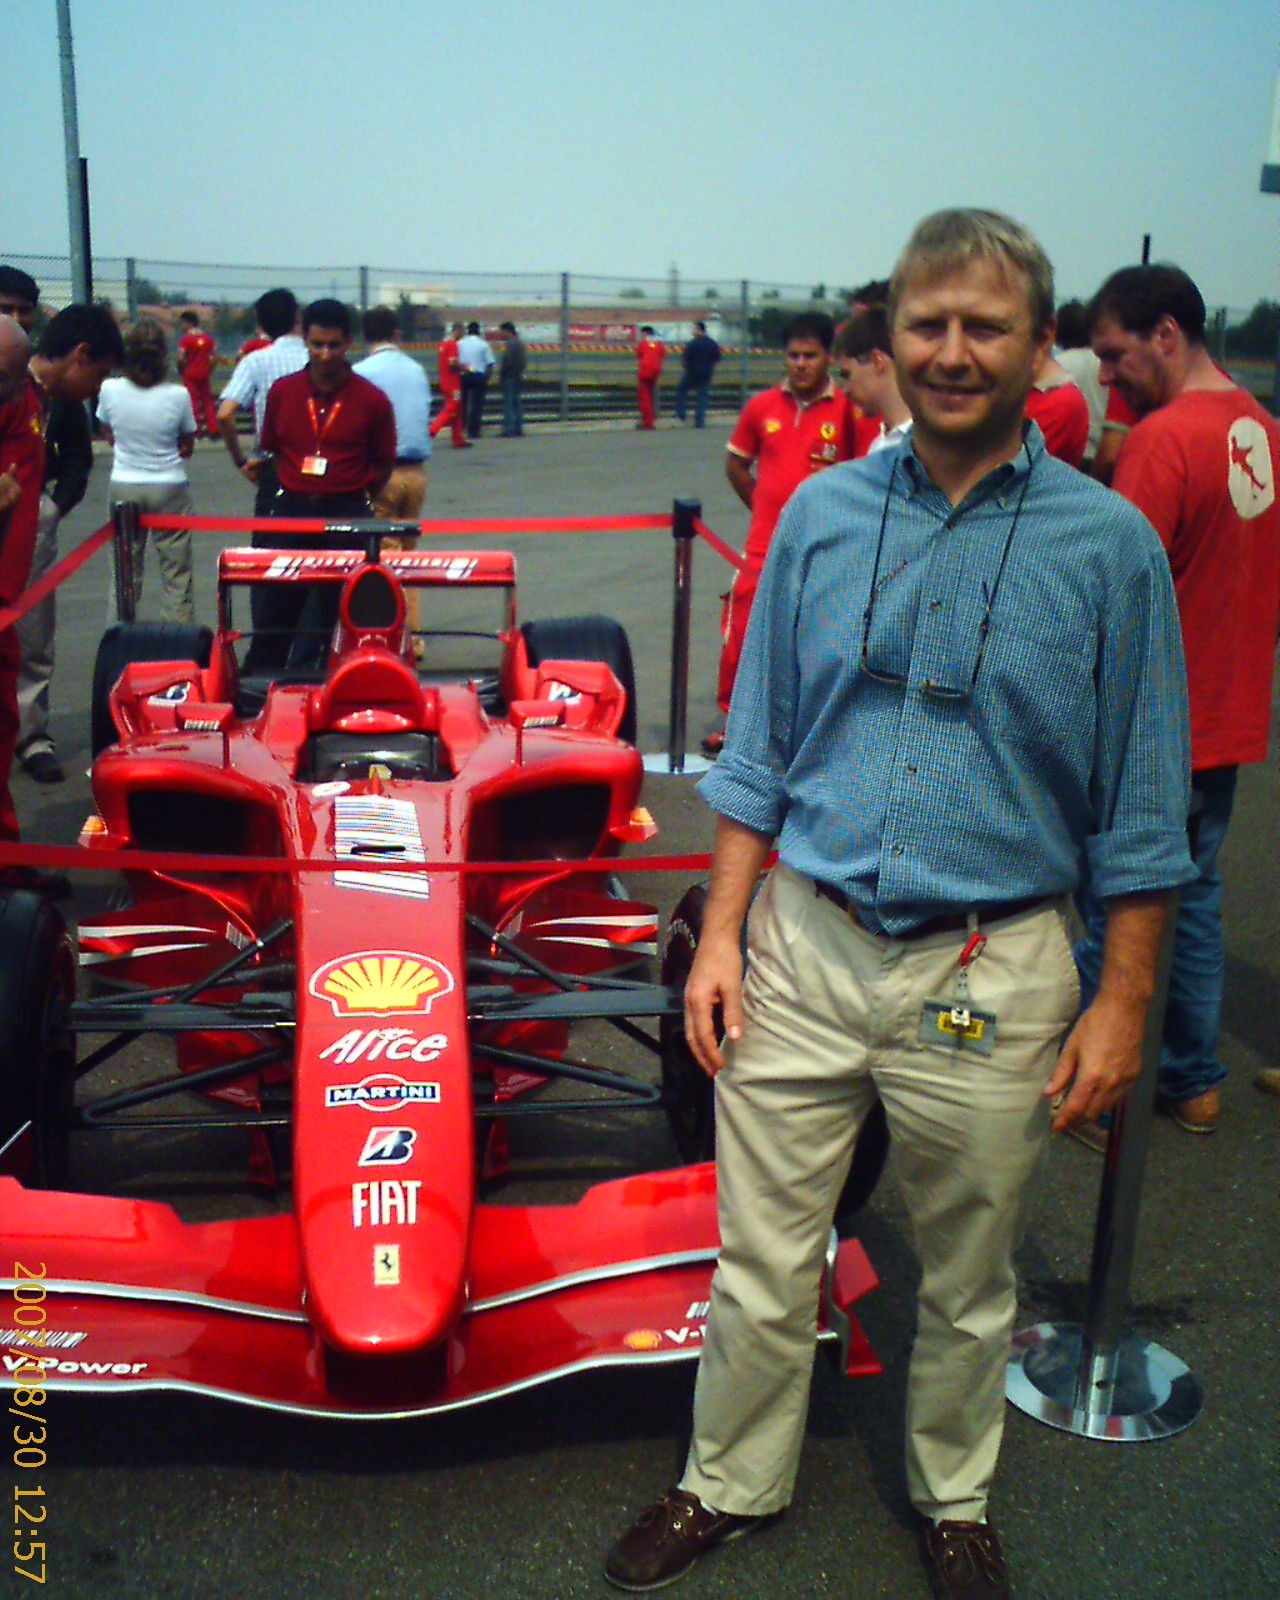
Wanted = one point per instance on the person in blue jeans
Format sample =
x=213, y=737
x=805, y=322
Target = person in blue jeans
x=511, y=382
x=699, y=359
x=1189, y=1065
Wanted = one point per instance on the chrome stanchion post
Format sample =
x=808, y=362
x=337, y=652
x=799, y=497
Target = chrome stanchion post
x=684, y=513
x=124, y=520
x=684, y=517
x=1096, y=1379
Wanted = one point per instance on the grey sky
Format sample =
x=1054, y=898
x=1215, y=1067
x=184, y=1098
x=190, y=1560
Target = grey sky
x=771, y=139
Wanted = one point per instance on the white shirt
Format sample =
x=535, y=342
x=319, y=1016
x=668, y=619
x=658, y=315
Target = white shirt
x=146, y=425
x=256, y=372
x=1084, y=368
x=474, y=354
x=888, y=436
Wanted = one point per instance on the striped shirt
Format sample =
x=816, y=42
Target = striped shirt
x=256, y=372
x=924, y=790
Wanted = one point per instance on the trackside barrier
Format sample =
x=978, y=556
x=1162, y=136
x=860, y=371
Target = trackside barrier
x=1097, y=1380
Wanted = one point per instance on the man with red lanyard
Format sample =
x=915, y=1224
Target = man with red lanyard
x=650, y=355
x=1201, y=463
x=333, y=436
x=449, y=382
x=197, y=357
x=782, y=436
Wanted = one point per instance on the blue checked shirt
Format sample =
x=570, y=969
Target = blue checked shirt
x=1068, y=758
x=256, y=372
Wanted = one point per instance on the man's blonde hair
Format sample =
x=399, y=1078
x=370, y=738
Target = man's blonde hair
x=951, y=239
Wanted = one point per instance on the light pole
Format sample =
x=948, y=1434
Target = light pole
x=77, y=199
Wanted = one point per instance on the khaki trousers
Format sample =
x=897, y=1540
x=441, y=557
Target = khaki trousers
x=832, y=1017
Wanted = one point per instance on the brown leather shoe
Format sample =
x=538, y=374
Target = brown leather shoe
x=1197, y=1115
x=1268, y=1080
x=668, y=1537
x=964, y=1561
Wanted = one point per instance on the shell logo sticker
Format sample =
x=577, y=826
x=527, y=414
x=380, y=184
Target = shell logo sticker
x=1249, y=474
x=642, y=1339
x=828, y=430
x=772, y=425
x=381, y=983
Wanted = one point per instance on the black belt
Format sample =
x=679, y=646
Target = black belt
x=947, y=922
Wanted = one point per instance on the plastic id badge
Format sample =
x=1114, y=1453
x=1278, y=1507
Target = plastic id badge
x=315, y=466
x=957, y=1030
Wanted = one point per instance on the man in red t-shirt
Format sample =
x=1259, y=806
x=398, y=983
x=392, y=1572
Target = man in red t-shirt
x=333, y=436
x=449, y=383
x=197, y=357
x=782, y=436
x=1201, y=463
x=650, y=355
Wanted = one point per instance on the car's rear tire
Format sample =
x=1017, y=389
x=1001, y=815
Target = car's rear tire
x=691, y=1094
x=37, y=1047
x=587, y=639
x=126, y=642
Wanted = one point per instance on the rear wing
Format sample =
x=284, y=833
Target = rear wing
x=415, y=569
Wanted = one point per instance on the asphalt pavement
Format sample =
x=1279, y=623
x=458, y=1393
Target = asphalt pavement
x=152, y=1497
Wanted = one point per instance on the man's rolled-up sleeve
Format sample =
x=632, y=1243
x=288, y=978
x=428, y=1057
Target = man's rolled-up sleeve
x=748, y=784
x=1142, y=775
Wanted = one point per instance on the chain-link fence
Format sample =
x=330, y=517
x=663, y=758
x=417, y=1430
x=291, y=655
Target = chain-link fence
x=580, y=330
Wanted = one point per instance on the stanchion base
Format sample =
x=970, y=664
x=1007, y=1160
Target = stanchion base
x=1154, y=1396
x=694, y=766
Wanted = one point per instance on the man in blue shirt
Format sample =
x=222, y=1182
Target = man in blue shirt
x=699, y=359
x=962, y=690
x=404, y=382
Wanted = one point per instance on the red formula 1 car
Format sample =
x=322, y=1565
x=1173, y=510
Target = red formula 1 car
x=334, y=924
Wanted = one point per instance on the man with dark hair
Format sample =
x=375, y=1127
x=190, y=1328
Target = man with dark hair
x=333, y=436
x=511, y=381
x=250, y=384
x=650, y=355
x=475, y=363
x=75, y=353
x=864, y=360
x=933, y=791
x=449, y=376
x=782, y=436
x=197, y=357
x=68, y=461
x=1201, y=464
x=19, y=297
x=699, y=359
x=1077, y=359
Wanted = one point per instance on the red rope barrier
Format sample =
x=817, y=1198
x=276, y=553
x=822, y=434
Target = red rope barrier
x=56, y=574
x=480, y=525
x=718, y=545
x=79, y=858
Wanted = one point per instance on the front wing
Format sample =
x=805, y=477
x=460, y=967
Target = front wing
x=137, y=1299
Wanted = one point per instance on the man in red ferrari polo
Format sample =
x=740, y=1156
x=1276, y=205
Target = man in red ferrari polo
x=333, y=436
x=197, y=357
x=449, y=383
x=782, y=436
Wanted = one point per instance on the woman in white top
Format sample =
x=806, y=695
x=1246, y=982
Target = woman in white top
x=152, y=427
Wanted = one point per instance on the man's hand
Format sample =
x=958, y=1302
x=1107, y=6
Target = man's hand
x=714, y=980
x=1102, y=1057
x=10, y=493
x=251, y=468
x=1100, y=1061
